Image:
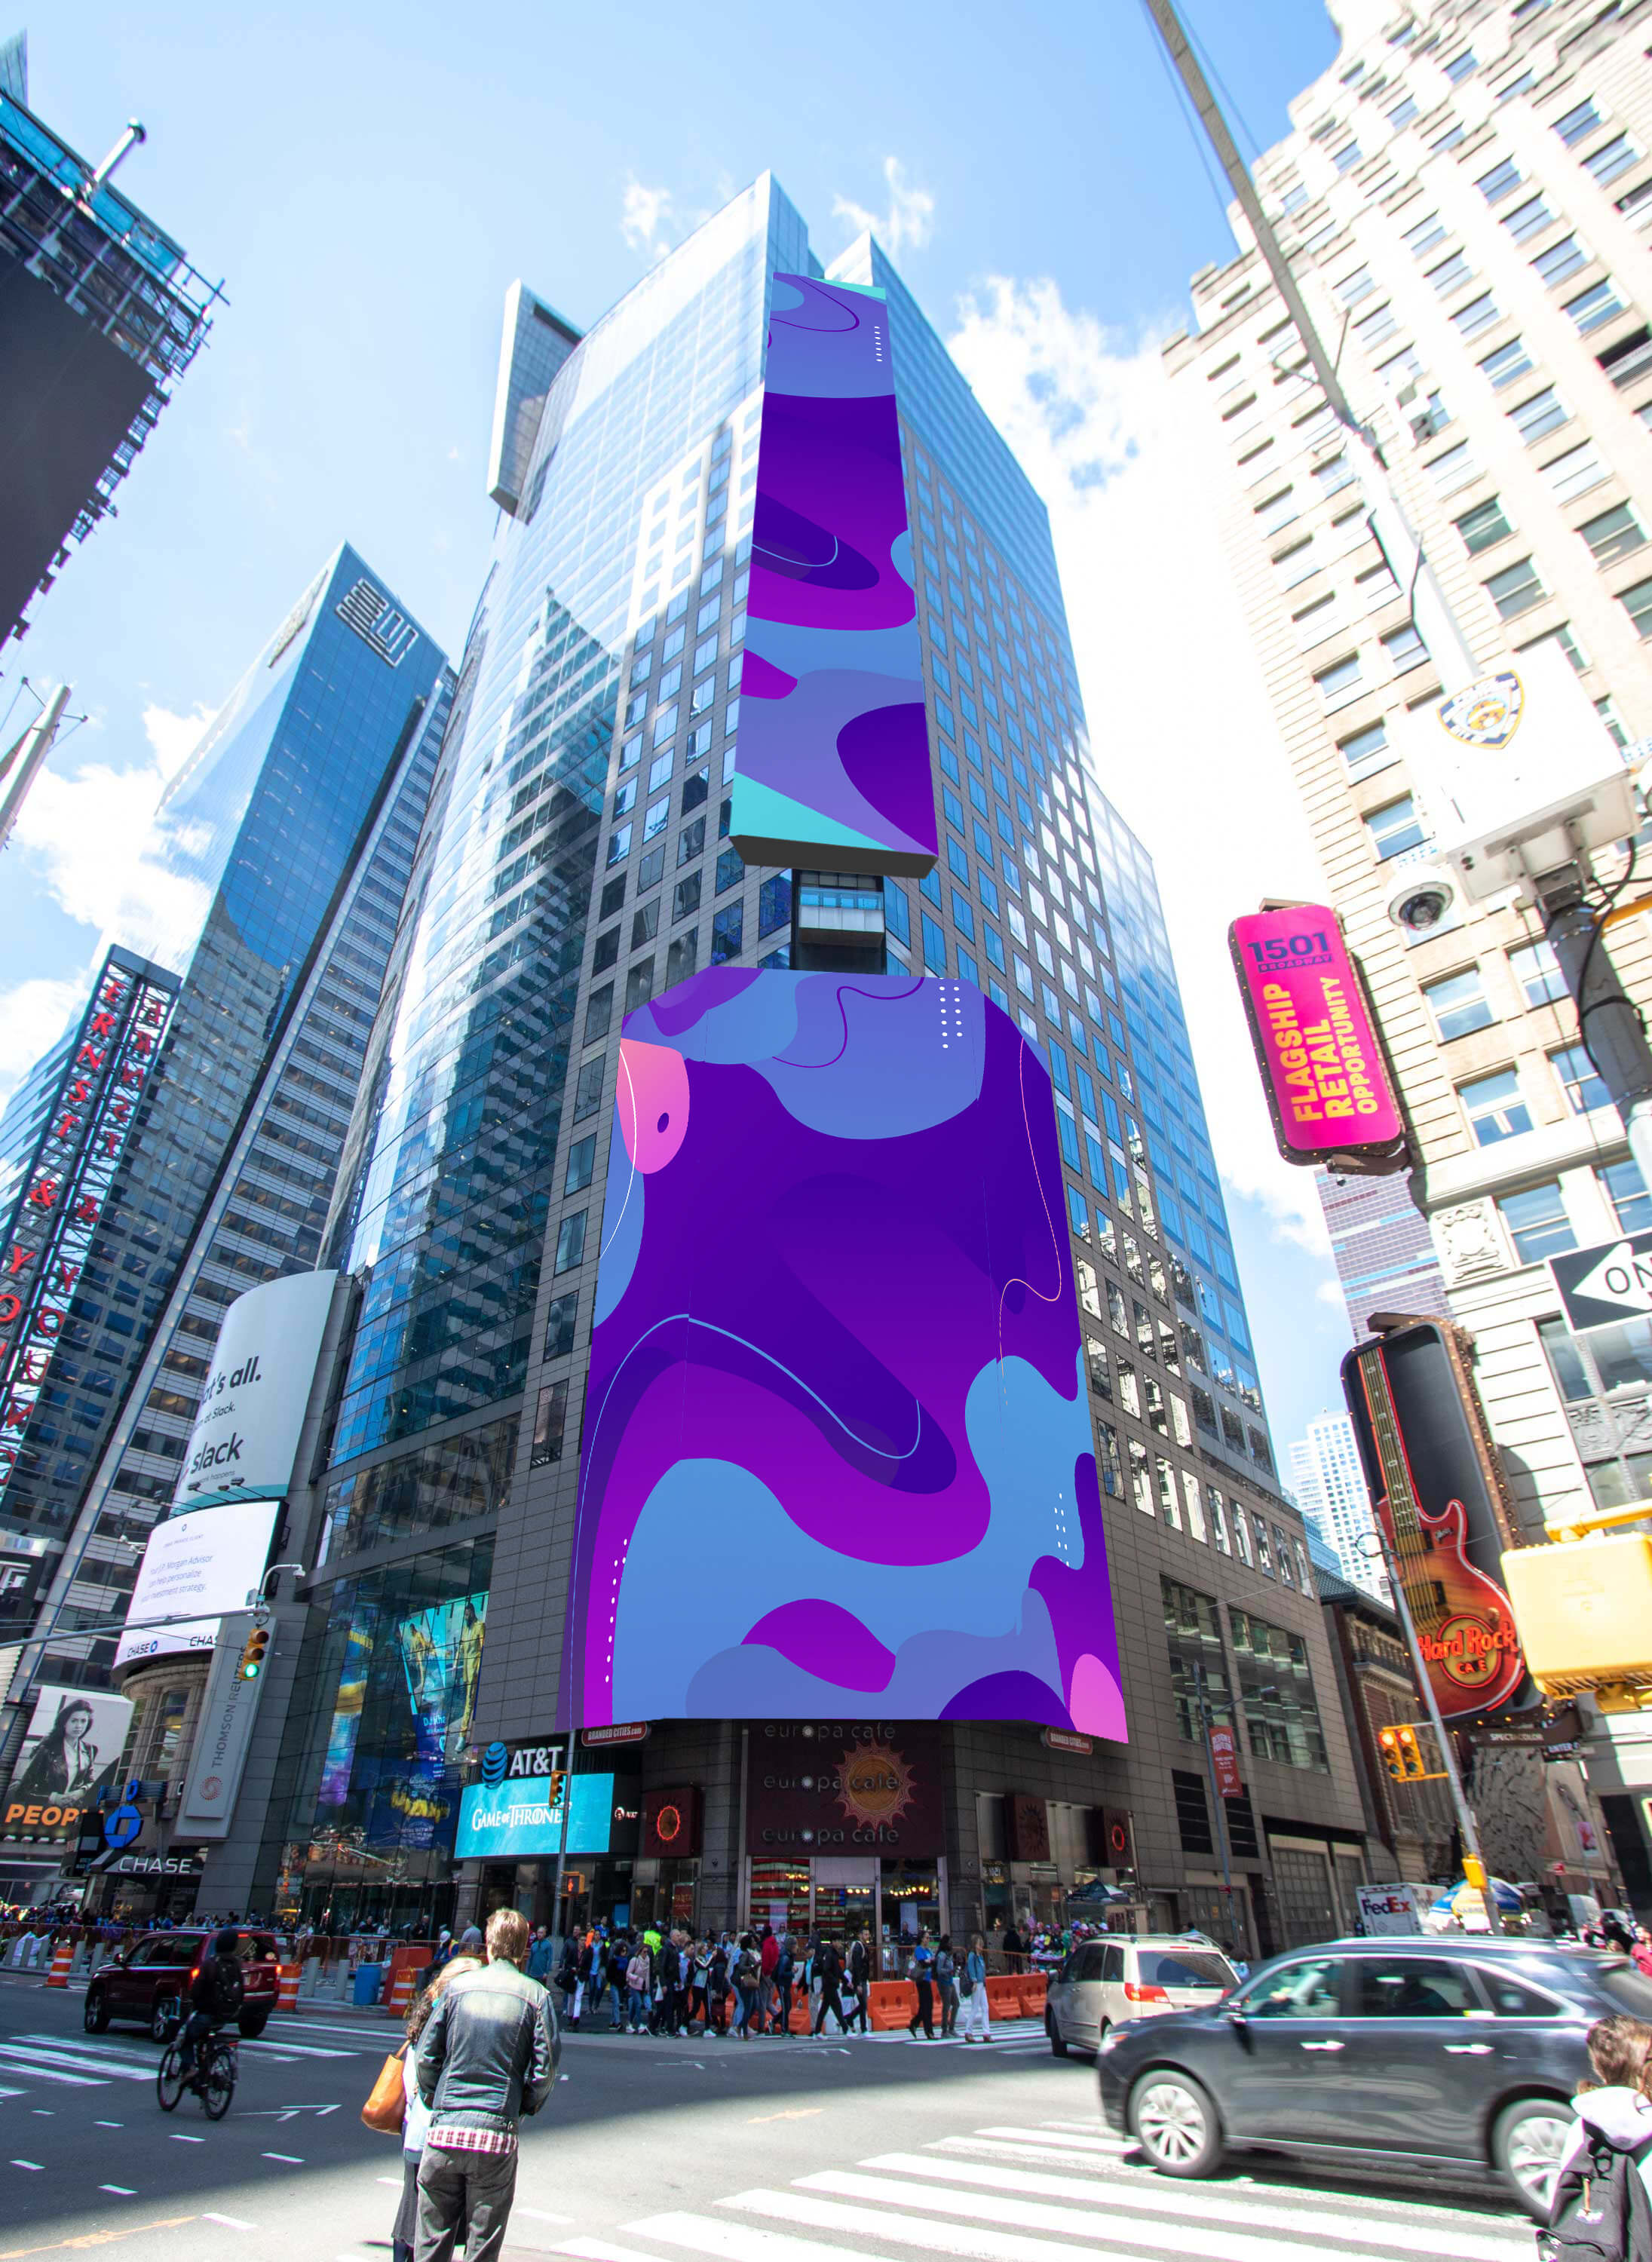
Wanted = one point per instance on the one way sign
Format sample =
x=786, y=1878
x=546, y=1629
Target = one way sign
x=1600, y=1285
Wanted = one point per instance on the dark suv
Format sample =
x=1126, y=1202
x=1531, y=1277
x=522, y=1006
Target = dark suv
x=148, y=1981
x=1452, y=2052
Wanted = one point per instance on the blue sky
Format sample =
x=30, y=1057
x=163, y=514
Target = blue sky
x=368, y=182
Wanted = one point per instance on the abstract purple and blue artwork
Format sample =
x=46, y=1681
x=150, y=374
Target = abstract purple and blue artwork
x=833, y=761
x=837, y=1450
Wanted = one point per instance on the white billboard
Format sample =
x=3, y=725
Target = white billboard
x=198, y=1567
x=246, y=1432
x=71, y=1751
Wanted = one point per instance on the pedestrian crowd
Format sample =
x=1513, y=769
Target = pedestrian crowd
x=649, y=1982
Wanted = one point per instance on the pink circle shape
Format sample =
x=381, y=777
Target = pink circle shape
x=652, y=1099
x=1095, y=1701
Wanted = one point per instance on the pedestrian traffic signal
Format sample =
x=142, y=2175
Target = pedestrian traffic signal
x=252, y=1656
x=1402, y=1753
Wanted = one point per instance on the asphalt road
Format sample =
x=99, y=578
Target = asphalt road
x=662, y=2151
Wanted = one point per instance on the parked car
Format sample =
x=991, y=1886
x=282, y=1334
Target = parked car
x=148, y=1981
x=1134, y=1977
x=1458, y=2053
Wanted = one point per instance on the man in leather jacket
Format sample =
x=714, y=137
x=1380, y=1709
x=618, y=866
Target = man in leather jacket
x=487, y=2057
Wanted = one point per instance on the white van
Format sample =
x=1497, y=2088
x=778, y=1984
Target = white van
x=1134, y=1975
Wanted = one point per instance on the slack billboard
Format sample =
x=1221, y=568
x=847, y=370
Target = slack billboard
x=833, y=761
x=837, y=1345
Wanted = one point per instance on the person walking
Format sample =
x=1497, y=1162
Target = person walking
x=947, y=1984
x=640, y=1980
x=828, y=1970
x=923, y=1978
x=1015, y=1955
x=860, y=1976
x=974, y=2009
x=785, y=1971
x=768, y=1961
x=748, y=1973
x=416, y=2120
x=700, y=1992
x=487, y=2057
x=716, y=1988
x=539, y=1957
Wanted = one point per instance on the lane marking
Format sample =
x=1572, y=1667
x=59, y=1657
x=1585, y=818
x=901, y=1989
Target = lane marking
x=229, y=2221
x=177, y=2139
x=539, y=2214
x=796, y=2112
x=101, y=2237
x=602, y=2250
x=121, y=2124
x=35, y=2167
x=293, y=2160
x=120, y=2191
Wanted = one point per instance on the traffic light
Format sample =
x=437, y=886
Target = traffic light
x=1402, y=1753
x=253, y=1655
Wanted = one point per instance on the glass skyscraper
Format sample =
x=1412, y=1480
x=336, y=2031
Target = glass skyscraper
x=277, y=867
x=577, y=863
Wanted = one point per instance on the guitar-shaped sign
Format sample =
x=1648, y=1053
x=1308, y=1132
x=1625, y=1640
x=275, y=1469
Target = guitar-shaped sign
x=1465, y=1627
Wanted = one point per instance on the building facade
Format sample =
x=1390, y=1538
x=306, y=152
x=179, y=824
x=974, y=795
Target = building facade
x=104, y=315
x=281, y=851
x=1329, y=1488
x=1464, y=202
x=575, y=865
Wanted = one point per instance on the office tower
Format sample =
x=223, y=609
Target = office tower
x=1464, y=202
x=1324, y=1473
x=103, y=313
x=276, y=870
x=581, y=866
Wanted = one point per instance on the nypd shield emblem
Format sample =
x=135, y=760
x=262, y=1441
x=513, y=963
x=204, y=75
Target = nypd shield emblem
x=1486, y=714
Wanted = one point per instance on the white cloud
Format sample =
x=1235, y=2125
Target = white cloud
x=1185, y=740
x=84, y=832
x=645, y=217
x=909, y=222
x=32, y=1017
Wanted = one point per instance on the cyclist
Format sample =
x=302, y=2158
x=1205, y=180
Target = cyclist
x=216, y=1994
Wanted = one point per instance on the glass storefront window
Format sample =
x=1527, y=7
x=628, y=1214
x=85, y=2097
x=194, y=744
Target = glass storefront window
x=396, y=1664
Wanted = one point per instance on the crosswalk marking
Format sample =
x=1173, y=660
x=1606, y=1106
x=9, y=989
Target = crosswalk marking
x=88, y=2048
x=80, y=2057
x=1088, y=2143
x=34, y=2060
x=286, y=2049
x=1492, y=2243
x=735, y=2242
x=47, y=2073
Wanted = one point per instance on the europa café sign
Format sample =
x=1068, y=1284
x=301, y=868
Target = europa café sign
x=1328, y=1092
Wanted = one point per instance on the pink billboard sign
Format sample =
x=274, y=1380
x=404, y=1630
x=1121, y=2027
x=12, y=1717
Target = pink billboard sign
x=1327, y=1089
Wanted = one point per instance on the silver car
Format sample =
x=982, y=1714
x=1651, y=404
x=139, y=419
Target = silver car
x=1105, y=1982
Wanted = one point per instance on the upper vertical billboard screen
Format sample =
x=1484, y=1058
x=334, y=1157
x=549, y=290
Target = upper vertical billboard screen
x=1315, y=1045
x=834, y=763
x=837, y=1346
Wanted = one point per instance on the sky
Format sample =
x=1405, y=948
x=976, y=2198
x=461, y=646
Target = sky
x=368, y=184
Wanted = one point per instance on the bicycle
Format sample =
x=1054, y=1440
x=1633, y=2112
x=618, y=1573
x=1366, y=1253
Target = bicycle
x=215, y=2089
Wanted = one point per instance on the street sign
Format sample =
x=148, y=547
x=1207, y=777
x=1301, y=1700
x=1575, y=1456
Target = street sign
x=1599, y=1286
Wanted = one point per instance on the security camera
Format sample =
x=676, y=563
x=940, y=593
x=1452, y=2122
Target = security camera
x=1421, y=900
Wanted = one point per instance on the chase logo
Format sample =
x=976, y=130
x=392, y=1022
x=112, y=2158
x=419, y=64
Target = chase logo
x=495, y=1759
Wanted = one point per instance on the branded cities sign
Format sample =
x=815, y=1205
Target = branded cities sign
x=245, y=1438
x=62, y=1188
x=196, y=1567
x=522, y=1817
x=246, y=1430
x=71, y=1752
x=836, y=1324
x=833, y=761
x=1327, y=1091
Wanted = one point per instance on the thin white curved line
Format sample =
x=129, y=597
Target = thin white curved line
x=809, y=565
x=1017, y=1280
x=625, y=1070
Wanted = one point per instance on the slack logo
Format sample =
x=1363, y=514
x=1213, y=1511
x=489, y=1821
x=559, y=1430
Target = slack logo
x=219, y=1456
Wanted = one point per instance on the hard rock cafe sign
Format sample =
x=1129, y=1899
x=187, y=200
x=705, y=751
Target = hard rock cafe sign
x=1438, y=1494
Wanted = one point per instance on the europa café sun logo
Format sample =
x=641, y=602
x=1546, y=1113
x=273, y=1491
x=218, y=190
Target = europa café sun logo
x=874, y=1784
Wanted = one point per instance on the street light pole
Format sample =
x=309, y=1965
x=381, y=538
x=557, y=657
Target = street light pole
x=1467, y=1828
x=1215, y=1796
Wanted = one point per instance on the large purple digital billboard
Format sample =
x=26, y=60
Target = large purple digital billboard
x=833, y=768
x=837, y=1447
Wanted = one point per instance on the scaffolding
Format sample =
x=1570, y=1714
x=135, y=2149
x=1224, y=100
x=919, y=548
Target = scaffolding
x=104, y=259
